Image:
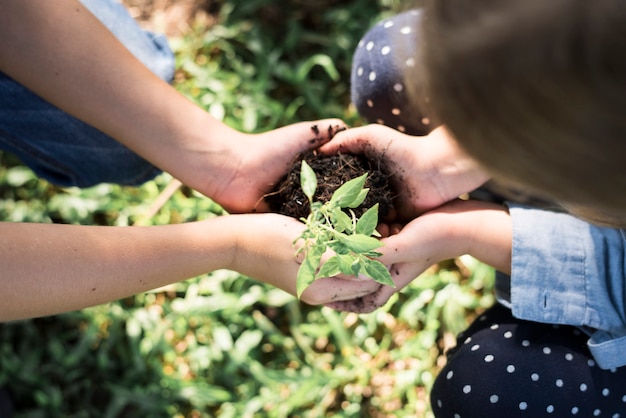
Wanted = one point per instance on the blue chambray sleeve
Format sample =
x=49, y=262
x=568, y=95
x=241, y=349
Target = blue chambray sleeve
x=567, y=271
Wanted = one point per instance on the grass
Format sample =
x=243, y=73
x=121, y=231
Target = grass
x=222, y=345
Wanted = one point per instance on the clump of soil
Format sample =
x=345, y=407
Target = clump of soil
x=332, y=171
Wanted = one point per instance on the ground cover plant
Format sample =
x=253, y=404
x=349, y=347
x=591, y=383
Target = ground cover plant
x=222, y=345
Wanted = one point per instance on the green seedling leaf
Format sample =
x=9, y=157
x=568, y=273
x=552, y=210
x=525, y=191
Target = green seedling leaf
x=377, y=271
x=306, y=272
x=341, y=221
x=308, y=180
x=366, y=225
x=344, y=263
x=330, y=268
x=359, y=199
x=348, y=192
x=360, y=243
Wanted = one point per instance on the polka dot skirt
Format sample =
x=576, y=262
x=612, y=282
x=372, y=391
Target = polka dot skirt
x=384, y=58
x=505, y=367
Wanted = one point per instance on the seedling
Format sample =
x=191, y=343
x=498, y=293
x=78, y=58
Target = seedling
x=328, y=227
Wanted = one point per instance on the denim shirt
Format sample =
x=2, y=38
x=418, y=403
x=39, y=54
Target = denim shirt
x=567, y=271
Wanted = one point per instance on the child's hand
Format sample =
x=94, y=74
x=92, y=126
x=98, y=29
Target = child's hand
x=251, y=165
x=480, y=229
x=426, y=171
x=266, y=252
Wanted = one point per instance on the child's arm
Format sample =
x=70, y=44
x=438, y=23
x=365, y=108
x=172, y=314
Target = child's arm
x=51, y=268
x=62, y=52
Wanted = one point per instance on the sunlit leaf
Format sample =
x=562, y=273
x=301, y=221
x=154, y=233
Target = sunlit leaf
x=348, y=192
x=360, y=243
x=368, y=222
x=308, y=180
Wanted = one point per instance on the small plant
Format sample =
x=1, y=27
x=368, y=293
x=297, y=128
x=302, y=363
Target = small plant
x=328, y=227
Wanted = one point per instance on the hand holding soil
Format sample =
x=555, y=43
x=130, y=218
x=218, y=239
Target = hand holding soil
x=425, y=171
x=253, y=163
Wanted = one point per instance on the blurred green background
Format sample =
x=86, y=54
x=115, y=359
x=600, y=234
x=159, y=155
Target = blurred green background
x=222, y=345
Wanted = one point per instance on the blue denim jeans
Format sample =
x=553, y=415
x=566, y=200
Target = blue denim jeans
x=61, y=148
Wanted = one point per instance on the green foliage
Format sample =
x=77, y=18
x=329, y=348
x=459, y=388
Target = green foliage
x=222, y=345
x=350, y=239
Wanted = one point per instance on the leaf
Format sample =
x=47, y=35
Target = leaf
x=360, y=243
x=308, y=180
x=377, y=271
x=359, y=199
x=306, y=272
x=348, y=192
x=341, y=221
x=366, y=225
x=329, y=269
x=344, y=263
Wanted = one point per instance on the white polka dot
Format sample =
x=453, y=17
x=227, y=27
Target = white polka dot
x=596, y=413
x=569, y=357
x=467, y=389
x=380, y=121
x=510, y=368
x=372, y=76
x=546, y=350
x=388, y=24
x=624, y=398
x=401, y=128
x=395, y=111
x=523, y=406
x=475, y=347
x=425, y=121
x=495, y=326
x=591, y=363
x=525, y=343
x=559, y=383
x=439, y=403
x=385, y=50
x=550, y=409
x=405, y=30
x=467, y=340
x=369, y=45
x=398, y=87
x=449, y=375
x=489, y=358
x=534, y=377
x=457, y=416
x=370, y=103
x=361, y=42
x=410, y=62
x=615, y=416
x=583, y=387
x=574, y=410
x=605, y=392
x=508, y=334
x=493, y=399
x=359, y=71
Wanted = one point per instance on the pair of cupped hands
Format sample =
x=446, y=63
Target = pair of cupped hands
x=427, y=172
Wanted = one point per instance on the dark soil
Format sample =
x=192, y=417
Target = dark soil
x=332, y=171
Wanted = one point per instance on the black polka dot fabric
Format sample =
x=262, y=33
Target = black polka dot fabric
x=387, y=53
x=505, y=367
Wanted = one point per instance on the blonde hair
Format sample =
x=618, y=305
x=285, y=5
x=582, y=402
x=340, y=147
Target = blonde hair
x=535, y=90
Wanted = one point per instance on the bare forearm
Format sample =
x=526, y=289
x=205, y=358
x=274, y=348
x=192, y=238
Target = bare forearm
x=53, y=268
x=63, y=53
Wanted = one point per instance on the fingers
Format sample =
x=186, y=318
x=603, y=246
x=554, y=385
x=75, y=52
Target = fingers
x=310, y=135
x=333, y=289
